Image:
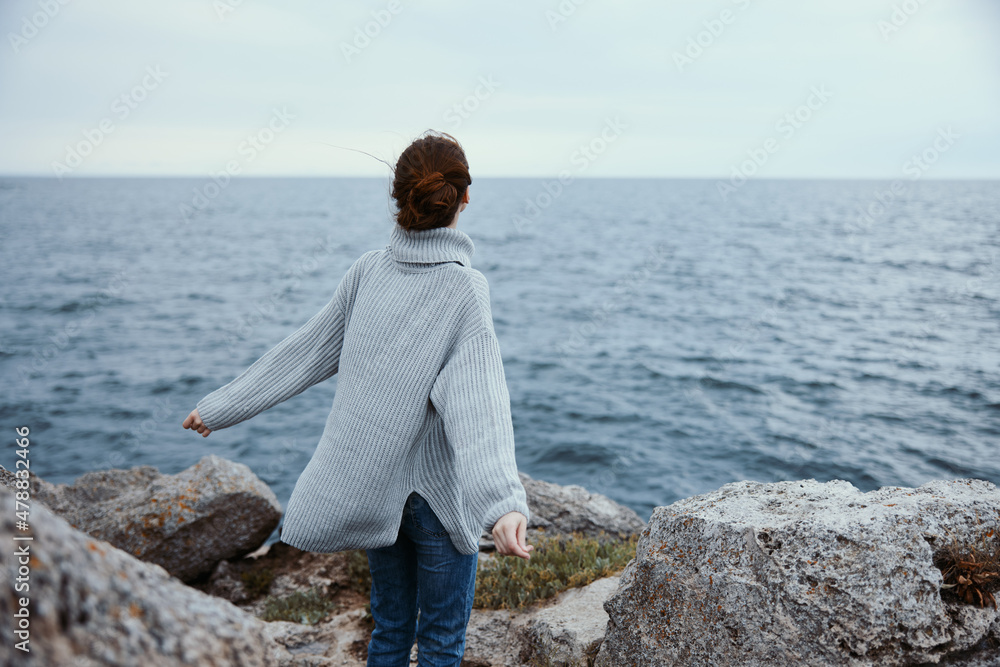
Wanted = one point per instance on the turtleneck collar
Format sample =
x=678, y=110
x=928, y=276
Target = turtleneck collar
x=430, y=246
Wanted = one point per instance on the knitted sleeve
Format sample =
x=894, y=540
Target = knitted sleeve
x=470, y=393
x=306, y=357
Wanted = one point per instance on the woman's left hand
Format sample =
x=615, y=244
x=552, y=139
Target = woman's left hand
x=194, y=422
x=508, y=535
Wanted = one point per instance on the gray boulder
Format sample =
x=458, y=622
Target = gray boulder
x=93, y=605
x=8, y=479
x=804, y=573
x=186, y=523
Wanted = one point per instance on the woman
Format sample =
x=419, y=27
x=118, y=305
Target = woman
x=417, y=455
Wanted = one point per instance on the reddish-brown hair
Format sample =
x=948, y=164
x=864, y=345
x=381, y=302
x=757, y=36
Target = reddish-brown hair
x=430, y=181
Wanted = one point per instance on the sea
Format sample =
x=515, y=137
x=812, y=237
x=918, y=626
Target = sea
x=660, y=337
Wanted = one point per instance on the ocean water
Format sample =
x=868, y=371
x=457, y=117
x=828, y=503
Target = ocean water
x=658, y=340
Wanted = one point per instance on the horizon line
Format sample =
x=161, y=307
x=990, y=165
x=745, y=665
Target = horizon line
x=82, y=177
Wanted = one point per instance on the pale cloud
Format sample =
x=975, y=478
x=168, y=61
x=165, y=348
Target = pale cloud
x=559, y=80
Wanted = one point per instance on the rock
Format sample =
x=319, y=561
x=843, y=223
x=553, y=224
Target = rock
x=8, y=479
x=340, y=640
x=564, y=631
x=559, y=510
x=94, y=605
x=804, y=573
x=188, y=522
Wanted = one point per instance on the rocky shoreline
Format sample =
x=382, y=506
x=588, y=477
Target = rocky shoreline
x=134, y=567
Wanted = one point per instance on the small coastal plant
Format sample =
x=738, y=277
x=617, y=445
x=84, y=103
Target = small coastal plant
x=557, y=563
x=257, y=582
x=359, y=575
x=971, y=571
x=309, y=607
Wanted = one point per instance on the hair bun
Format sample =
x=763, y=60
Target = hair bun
x=431, y=193
x=432, y=182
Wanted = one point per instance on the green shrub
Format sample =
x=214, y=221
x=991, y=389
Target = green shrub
x=358, y=572
x=557, y=563
x=308, y=608
x=257, y=582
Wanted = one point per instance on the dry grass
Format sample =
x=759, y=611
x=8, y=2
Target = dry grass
x=971, y=571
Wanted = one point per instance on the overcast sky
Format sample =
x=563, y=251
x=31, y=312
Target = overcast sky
x=852, y=88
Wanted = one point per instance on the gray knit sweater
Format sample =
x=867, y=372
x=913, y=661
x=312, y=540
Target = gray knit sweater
x=421, y=401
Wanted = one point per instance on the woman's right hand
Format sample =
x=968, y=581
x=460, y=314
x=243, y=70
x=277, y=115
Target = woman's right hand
x=508, y=535
x=194, y=422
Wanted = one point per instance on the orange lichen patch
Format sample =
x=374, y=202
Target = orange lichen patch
x=135, y=611
x=122, y=574
x=183, y=504
x=154, y=520
x=891, y=505
x=93, y=546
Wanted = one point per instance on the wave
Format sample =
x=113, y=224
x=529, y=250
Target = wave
x=79, y=305
x=709, y=382
x=620, y=418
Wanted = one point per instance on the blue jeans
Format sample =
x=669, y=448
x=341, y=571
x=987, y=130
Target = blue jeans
x=421, y=571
